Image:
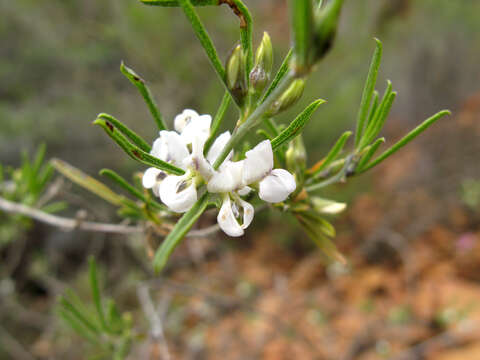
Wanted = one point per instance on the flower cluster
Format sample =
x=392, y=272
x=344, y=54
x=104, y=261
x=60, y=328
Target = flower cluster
x=184, y=148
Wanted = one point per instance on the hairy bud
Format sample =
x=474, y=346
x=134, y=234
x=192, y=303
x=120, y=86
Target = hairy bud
x=288, y=98
x=325, y=206
x=235, y=73
x=262, y=69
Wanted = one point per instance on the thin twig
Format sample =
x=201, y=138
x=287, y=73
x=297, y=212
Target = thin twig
x=78, y=224
x=13, y=347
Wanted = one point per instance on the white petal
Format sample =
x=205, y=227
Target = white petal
x=227, y=216
x=174, y=196
x=199, y=126
x=218, y=146
x=277, y=186
x=174, y=150
x=248, y=212
x=198, y=161
x=227, y=221
x=149, y=178
x=228, y=179
x=258, y=162
x=183, y=119
x=244, y=191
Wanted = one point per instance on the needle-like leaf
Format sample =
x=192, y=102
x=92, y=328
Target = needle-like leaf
x=178, y=232
x=135, y=152
x=368, y=91
x=130, y=134
x=296, y=126
x=136, y=80
x=406, y=139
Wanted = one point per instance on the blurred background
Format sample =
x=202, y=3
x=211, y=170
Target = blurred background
x=411, y=233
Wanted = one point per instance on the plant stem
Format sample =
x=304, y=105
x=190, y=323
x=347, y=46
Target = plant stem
x=254, y=118
x=205, y=40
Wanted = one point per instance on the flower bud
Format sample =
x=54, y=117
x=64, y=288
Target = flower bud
x=296, y=157
x=288, y=98
x=262, y=69
x=326, y=20
x=325, y=206
x=235, y=73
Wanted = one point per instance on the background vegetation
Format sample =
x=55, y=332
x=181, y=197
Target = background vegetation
x=59, y=67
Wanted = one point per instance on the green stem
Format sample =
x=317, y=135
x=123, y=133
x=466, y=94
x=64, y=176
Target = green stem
x=217, y=121
x=204, y=39
x=254, y=118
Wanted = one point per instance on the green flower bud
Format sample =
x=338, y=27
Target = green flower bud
x=235, y=73
x=264, y=54
x=296, y=158
x=325, y=206
x=326, y=21
x=262, y=69
x=288, y=98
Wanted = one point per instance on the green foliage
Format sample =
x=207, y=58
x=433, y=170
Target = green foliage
x=179, y=231
x=109, y=332
x=26, y=185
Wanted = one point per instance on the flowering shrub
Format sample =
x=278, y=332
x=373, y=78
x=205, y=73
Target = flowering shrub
x=193, y=168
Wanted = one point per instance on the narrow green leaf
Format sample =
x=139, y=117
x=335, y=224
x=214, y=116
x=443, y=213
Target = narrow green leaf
x=80, y=178
x=146, y=94
x=368, y=91
x=264, y=134
x=296, y=126
x=282, y=71
x=135, y=152
x=316, y=231
x=179, y=231
x=68, y=306
x=55, y=206
x=332, y=154
x=175, y=3
x=271, y=126
x=130, y=134
x=123, y=183
x=302, y=32
x=373, y=108
x=92, y=271
x=217, y=121
x=78, y=326
x=406, y=139
x=39, y=158
x=204, y=39
x=370, y=150
x=381, y=114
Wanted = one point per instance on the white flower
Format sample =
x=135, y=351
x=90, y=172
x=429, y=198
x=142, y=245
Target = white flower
x=179, y=193
x=168, y=147
x=235, y=216
x=190, y=125
x=228, y=179
x=258, y=162
x=275, y=184
x=218, y=146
